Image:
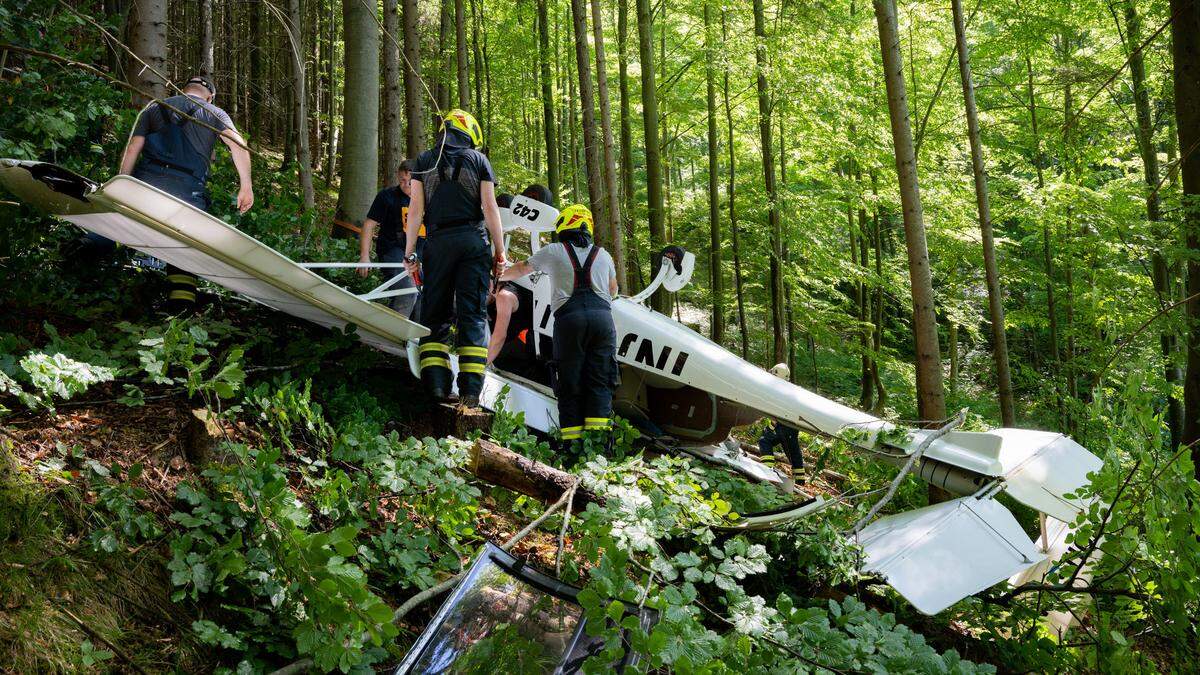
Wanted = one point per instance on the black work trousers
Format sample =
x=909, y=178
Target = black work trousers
x=585, y=357
x=456, y=268
x=181, y=295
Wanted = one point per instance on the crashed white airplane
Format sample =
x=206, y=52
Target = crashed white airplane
x=676, y=385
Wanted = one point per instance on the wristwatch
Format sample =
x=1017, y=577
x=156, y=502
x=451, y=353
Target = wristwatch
x=412, y=258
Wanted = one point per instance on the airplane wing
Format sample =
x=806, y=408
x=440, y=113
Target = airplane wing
x=142, y=217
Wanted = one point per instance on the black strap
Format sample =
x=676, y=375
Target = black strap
x=583, y=273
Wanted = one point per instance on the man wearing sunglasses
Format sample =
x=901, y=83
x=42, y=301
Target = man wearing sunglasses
x=171, y=148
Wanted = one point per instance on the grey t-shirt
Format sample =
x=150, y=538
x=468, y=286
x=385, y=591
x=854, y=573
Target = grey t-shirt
x=201, y=139
x=552, y=259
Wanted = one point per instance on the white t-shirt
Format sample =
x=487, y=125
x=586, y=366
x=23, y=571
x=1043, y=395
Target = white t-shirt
x=552, y=259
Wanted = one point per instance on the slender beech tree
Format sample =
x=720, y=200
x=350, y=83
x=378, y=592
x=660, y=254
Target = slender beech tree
x=774, y=226
x=549, y=127
x=743, y=330
x=1160, y=272
x=389, y=122
x=634, y=269
x=654, y=194
x=148, y=42
x=611, y=188
x=295, y=43
x=206, y=38
x=460, y=54
x=414, y=137
x=1185, y=48
x=714, y=190
x=587, y=104
x=931, y=403
x=360, y=151
x=991, y=272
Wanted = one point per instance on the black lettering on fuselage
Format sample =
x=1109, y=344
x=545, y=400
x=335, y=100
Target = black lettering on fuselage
x=645, y=354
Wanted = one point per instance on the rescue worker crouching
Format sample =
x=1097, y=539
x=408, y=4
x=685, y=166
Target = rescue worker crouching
x=172, y=152
x=583, y=281
x=454, y=194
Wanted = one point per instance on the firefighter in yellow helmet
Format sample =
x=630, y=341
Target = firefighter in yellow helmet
x=583, y=282
x=453, y=191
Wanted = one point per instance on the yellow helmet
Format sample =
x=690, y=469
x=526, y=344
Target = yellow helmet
x=574, y=217
x=464, y=122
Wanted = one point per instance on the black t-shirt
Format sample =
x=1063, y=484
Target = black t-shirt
x=390, y=210
x=458, y=173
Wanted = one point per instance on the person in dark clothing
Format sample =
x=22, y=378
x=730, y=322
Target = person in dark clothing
x=583, y=281
x=781, y=435
x=454, y=194
x=388, y=213
x=171, y=148
x=506, y=299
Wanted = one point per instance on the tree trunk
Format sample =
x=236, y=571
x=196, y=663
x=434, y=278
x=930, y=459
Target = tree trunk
x=300, y=105
x=931, y=404
x=460, y=54
x=1185, y=36
x=587, y=103
x=477, y=63
x=953, y=346
x=714, y=193
x=390, y=116
x=611, y=188
x=733, y=221
x=360, y=159
x=627, y=192
x=206, y=38
x=548, y=122
x=148, y=41
x=654, y=194
x=877, y=333
x=331, y=70
x=414, y=137
x=1160, y=274
x=254, y=101
x=500, y=466
x=991, y=272
x=773, y=221
x=444, y=61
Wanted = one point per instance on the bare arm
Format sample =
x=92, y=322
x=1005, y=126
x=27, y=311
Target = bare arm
x=133, y=150
x=506, y=302
x=241, y=160
x=491, y=217
x=364, y=245
x=517, y=271
x=612, y=287
x=412, y=227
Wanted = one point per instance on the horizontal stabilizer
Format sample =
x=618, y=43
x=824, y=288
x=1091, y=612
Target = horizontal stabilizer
x=540, y=409
x=940, y=554
x=1039, y=467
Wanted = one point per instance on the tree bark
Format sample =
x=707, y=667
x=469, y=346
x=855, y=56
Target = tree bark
x=1160, y=273
x=611, y=188
x=148, y=41
x=460, y=55
x=774, y=225
x=633, y=268
x=931, y=403
x=500, y=466
x=390, y=115
x=549, y=127
x=654, y=194
x=991, y=272
x=1185, y=36
x=733, y=221
x=414, y=137
x=587, y=103
x=360, y=158
x=714, y=190
x=300, y=105
x=444, y=61
x=206, y=38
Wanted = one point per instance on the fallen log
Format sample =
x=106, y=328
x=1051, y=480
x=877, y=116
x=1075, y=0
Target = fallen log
x=500, y=466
